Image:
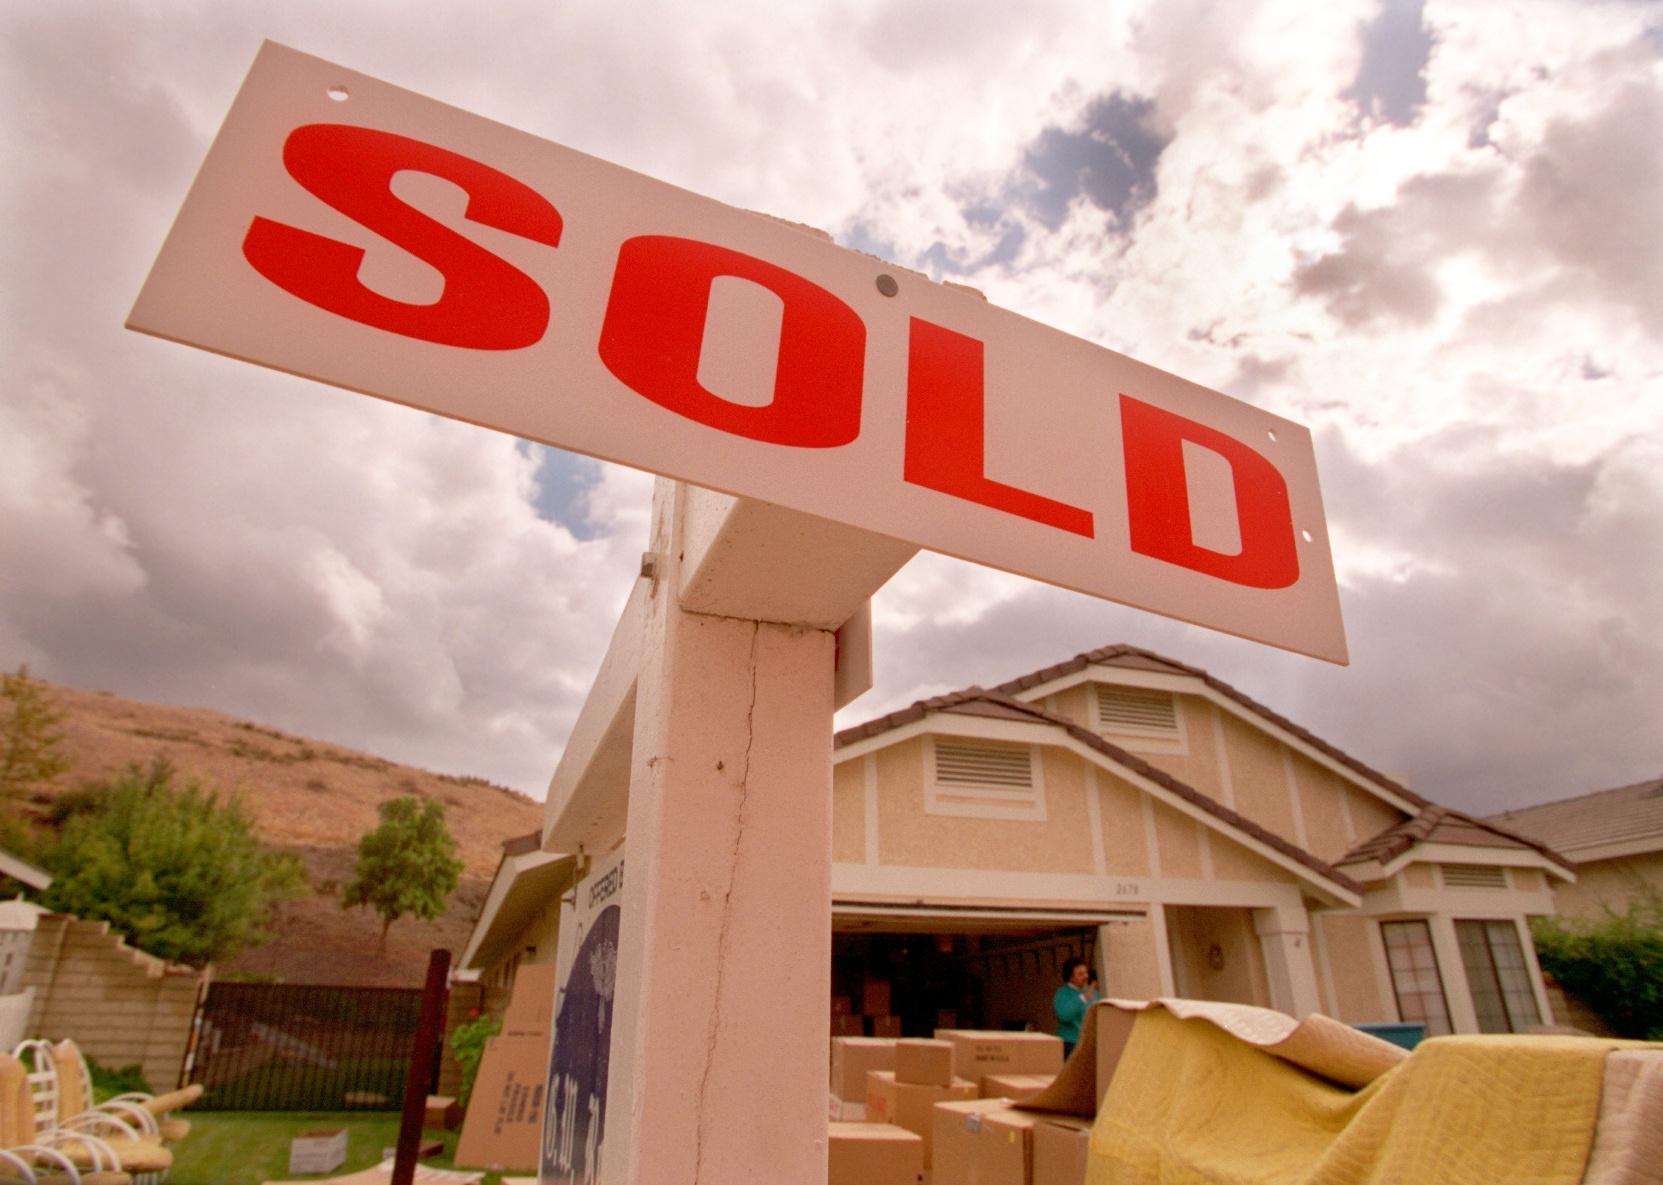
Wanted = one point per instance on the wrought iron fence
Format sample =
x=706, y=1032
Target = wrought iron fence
x=286, y=1047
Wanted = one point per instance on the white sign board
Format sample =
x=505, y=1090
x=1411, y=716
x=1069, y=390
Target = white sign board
x=361, y=235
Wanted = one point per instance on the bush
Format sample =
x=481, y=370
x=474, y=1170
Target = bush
x=467, y=1044
x=106, y=1084
x=1613, y=964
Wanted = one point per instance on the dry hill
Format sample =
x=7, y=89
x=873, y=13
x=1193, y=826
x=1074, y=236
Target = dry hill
x=313, y=799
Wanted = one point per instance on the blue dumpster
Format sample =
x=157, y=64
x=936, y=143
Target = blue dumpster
x=1406, y=1035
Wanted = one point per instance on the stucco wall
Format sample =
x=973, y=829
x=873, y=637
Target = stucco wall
x=1130, y=957
x=1357, y=994
x=1612, y=883
x=849, y=811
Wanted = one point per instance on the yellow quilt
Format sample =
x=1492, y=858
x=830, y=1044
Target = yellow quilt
x=1189, y=1104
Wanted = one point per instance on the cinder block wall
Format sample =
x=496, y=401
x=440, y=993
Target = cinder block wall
x=120, y=1005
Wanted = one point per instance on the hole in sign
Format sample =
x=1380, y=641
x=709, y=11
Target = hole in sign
x=338, y=93
x=1306, y=535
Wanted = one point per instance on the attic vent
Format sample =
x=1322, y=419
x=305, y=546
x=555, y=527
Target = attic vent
x=979, y=778
x=1136, y=712
x=1474, y=876
x=960, y=764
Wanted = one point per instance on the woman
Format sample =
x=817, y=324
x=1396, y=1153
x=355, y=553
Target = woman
x=1076, y=994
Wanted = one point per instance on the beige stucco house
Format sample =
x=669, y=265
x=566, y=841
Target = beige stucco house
x=1614, y=838
x=1139, y=812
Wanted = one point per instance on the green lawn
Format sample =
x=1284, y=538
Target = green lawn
x=248, y=1147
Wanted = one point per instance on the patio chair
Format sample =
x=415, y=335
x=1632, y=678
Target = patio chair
x=28, y=1158
x=158, y=1107
x=126, y=1127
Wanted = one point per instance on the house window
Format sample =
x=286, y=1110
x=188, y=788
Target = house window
x=1140, y=718
x=1415, y=979
x=1498, y=976
x=984, y=779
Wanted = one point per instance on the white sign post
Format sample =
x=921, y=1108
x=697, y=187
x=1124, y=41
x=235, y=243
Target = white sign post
x=355, y=233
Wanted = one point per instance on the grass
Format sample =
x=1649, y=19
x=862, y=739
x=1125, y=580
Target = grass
x=249, y=1147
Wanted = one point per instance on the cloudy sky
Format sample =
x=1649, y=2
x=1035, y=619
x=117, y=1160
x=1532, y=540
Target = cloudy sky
x=1433, y=233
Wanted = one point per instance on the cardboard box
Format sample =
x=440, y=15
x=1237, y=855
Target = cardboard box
x=843, y=1111
x=955, y=1136
x=443, y=1113
x=531, y=1006
x=851, y=1058
x=924, y=1062
x=322, y=1150
x=844, y=1025
x=910, y=1106
x=504, y=1124
x=1004, y=1154
x=1061, y=1146
x=873, y=1154
x=1015, y=1087
x=840, y=1006
x=874, y=996
x=886, y=1026
x=978, y=1052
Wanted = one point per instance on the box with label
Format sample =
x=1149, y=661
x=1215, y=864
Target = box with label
x=840, y=1006
x=910, y=1106
x=1061, y=1146
x=978, y=1052
x=1004, y=1153
x=955, y=1133
x=923, y=1061
x=873, y=1154
x=874, y=996
x=1017, y=1088
x=851, y=1058
x=886, y=1026
x=322, y=1150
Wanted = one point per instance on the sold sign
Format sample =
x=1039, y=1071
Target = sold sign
x=364, y=236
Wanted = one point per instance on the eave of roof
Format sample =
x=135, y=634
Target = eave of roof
x=981, y=702
x=1439, y=824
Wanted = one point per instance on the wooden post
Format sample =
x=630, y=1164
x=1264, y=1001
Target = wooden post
x=430, y=1030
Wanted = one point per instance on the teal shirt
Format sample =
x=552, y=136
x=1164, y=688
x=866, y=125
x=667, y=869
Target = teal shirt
x=1071, y=1004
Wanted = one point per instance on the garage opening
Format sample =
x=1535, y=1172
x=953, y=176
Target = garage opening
x=900, y=973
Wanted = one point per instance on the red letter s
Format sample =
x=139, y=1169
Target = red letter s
x=487, y=303
x=1157, y=500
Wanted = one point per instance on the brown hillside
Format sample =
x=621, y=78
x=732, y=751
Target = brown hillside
x=314, y=799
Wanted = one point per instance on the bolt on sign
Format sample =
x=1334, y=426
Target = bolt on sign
x=362, y=235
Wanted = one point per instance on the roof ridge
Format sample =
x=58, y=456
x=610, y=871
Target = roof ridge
x=1651, y=782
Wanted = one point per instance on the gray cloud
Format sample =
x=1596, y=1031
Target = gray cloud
x=1110, y=160
x=1391, y=81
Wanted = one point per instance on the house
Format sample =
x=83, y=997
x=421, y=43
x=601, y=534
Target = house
x=1182, y=837
x=1614, y=838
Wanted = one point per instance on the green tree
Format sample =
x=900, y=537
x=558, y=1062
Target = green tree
x=1613, y=964
x=176, y=870
x=29, y=736
x=406, y=865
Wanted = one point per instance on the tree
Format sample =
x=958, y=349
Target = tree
x=176, y=870
x=29, y=736
x=406, y=865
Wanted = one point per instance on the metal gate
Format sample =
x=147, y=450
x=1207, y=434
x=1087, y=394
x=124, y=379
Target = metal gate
x=284, y=1047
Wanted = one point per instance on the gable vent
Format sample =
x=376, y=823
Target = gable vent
x=983, y=766
x=1148, y=713
x=1474, y=876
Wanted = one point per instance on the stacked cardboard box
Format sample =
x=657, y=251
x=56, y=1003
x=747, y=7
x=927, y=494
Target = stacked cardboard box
x=873, y=1154
x=980, y=1053
x=1061, y=1143
x=851, y=1058
x=907, y=1095
x=1018, y=1088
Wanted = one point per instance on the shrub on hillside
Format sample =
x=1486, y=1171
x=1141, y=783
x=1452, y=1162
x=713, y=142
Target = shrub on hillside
x=1613, y=964
x=176, y=870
